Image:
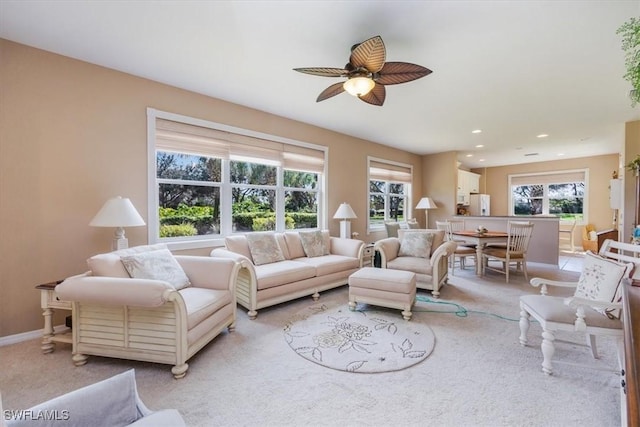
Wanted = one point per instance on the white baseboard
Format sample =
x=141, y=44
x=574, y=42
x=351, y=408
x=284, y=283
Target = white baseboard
x=26, y=336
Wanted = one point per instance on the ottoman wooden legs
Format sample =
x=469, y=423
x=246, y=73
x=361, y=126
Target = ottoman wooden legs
x=383, y=287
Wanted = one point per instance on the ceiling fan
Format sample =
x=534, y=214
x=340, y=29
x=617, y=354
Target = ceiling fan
x=367, y=73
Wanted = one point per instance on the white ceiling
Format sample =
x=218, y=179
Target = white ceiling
x=514, y=69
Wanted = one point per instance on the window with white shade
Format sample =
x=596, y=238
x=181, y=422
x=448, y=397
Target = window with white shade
x=561, y=194
x=208, y=180
x=389, y=192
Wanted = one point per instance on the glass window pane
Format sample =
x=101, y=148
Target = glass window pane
x=560, y=191
x=377, y=186
x=301, y=209
x=253, y=173
x=253, y=209
x=188, y=167
x=188, y=210
x=396, y=188
x=376, y=209
x=396, y=208
x=300, y=179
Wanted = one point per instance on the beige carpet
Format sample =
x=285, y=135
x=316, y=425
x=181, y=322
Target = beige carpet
x=477, y=374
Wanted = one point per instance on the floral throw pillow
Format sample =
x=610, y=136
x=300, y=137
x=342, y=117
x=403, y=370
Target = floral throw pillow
x=156, y=265
x=600, y=280
x=264, y=248
x=416, y=244
x=313, y=243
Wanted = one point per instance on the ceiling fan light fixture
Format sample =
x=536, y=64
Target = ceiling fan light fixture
x=359, y=86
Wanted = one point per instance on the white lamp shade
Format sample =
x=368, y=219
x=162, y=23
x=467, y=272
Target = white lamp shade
x=426, y=203
x=117, y=212
x=345, y=212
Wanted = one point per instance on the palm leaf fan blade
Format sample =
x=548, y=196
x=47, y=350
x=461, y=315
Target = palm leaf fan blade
x=369, y=54
x=323, y=71
x=401, y=72
x=333, y=90
x=376, y=96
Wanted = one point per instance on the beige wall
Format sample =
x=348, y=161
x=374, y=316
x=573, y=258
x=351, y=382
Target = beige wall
x=440, y=181
x=600, y=168
x=73, y=135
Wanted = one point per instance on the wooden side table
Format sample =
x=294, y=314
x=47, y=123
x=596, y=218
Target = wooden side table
x=49, y=301
x=367, y=255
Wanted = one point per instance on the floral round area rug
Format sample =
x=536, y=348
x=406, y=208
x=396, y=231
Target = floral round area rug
x=358, y=341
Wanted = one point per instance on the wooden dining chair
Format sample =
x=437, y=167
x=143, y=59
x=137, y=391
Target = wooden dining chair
x=515, y=251
x=462, y=251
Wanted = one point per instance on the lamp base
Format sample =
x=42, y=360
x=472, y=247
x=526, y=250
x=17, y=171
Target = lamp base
x=345, y=229
x=119, y=241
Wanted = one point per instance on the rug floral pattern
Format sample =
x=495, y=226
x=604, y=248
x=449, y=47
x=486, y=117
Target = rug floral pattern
x=358, y=341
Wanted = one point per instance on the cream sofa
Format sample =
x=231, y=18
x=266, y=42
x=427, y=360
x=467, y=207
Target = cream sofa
x=153, y=320
x=431, y=268
x=295, y=275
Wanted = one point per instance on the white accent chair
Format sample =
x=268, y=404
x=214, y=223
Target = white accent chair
x=594, y=309
x=115, y=315
x=515, y=250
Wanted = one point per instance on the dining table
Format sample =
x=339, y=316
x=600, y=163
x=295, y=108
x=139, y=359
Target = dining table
x=481, y=240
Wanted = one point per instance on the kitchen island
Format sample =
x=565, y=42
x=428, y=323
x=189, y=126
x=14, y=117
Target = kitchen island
x=543, y=246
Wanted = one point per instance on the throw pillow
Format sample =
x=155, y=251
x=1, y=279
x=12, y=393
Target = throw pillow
x=416, y=244
x=600, y=280
x=413, y=225
x=314, y=243
x=392, y=229
x=156, y=265
x=264, y=248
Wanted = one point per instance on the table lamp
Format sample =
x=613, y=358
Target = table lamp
x=119, y=213
x=345, y=213
x=426, y=203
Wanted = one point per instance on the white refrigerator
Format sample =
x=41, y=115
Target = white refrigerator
x=479, y=205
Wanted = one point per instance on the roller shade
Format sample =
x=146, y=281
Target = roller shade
x=186, y=138
x=389, y=172
x=551, y=178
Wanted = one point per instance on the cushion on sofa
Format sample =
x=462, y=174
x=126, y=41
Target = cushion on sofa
x=313, y=243
x=283, y=272
x=438, y=236
x=418, y=265
x=156, y=265
x=294, y=244
x=110, y=265
x=264, y=248
x=416, y=244
x=238, y=245
x=202, y=302
x=329, y=264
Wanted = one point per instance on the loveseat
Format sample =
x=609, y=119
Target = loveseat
x=146, y=304
x=423, y=252
x=280, y=267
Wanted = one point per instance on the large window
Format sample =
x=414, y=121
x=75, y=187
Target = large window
x=389, y=190
x=207, y=182
x=559, y=193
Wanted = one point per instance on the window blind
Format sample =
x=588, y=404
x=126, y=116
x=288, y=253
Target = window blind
x=389, y=172
x=186, y=138
x=550, y=178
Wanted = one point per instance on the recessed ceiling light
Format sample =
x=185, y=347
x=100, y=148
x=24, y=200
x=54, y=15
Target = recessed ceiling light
x=560, y=154
x=479, y=146
x=543, y=135
x=469, y=155
x=476, y=131
x=481, y=160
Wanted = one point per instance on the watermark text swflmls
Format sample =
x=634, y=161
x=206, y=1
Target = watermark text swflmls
x=41, y=415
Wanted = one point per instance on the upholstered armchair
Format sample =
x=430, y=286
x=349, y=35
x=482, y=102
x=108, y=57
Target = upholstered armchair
x=423, y=252
x=145, y=304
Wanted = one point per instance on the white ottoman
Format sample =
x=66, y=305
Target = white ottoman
x=383, y=287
